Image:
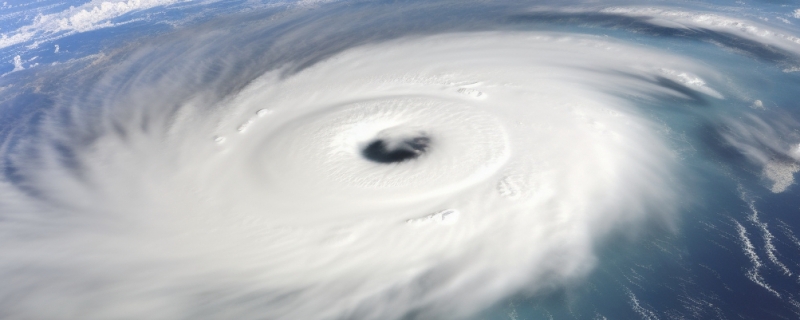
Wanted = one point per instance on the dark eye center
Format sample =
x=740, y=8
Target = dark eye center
x=396, y=150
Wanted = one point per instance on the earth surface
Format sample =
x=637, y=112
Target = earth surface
x=214, y=159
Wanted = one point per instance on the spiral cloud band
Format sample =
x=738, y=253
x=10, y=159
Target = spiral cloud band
x=423, y=175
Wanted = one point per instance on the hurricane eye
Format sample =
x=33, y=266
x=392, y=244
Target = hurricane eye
x=396, y=150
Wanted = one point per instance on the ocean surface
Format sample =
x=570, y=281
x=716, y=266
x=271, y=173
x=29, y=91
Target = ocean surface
x=166, y=159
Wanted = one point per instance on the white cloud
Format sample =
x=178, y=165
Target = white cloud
x=796, y=13
x=677, y=19
x=519, y=209
x=17, y=64
x=89, y=16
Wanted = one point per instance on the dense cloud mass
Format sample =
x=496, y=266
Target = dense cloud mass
x=364, y=161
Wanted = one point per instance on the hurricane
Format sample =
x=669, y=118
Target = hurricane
x=399, y=160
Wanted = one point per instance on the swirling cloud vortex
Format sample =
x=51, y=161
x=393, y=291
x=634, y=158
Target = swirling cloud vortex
x=427, y=174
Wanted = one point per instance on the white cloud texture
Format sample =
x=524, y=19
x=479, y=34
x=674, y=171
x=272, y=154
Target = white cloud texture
x=89, y=16
x=531, y=161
